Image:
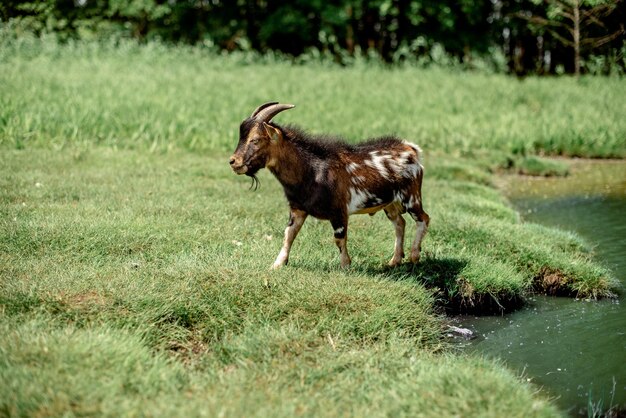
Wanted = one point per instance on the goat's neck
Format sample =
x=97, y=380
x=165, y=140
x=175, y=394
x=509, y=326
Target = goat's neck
x=287, y=163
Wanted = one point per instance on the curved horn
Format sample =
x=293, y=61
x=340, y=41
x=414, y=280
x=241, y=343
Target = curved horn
x=266, y=114
x=263, y=106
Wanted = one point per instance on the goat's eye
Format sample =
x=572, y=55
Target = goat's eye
x=255, y=141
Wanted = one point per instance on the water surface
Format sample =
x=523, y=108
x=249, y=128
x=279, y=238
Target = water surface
x=574, y=349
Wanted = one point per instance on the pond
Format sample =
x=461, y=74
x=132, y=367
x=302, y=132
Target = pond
x=574, y=349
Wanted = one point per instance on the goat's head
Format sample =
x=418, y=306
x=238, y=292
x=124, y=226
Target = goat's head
x=256, y=139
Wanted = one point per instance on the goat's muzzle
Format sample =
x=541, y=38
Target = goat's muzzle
x=237, y=165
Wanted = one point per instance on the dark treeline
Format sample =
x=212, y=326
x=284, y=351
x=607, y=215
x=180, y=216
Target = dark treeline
x=521, y=36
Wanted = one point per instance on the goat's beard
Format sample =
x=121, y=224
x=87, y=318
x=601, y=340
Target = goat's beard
x=255, y=181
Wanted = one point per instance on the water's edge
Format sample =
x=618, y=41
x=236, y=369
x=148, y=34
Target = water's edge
x=574, y=349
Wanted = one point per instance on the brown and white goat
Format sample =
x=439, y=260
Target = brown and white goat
x=330, y=179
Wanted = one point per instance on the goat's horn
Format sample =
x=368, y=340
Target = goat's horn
x=267, y=113
x=263, y=106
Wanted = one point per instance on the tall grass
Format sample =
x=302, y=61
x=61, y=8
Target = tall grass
x=160, y=98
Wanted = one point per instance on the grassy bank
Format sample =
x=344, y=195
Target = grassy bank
x=134, y=265
x=139, y=282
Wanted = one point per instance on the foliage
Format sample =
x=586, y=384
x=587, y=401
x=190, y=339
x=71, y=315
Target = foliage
x=572, y=23
x=468, y=33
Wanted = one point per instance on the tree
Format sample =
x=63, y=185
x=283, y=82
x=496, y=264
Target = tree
x=570, y=22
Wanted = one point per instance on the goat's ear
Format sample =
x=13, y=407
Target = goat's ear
x=274, y=134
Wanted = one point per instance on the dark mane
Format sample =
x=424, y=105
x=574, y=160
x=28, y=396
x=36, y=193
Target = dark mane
x=322, y=146
x=325, y=146
x=377, y=144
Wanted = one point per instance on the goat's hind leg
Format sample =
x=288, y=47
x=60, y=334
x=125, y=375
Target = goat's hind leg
x=422, y=220
x=296, y=219
x=395, y=216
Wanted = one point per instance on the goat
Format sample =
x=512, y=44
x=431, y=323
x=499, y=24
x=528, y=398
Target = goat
x=331, y=180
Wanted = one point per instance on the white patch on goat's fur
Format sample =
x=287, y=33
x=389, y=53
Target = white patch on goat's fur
x=413, y=201
x=403, y=167
x=339, y=230
x=417, y=149
x=356, y=180
x=321, y=167
x=378, y=162
x=351, y=168
x=404, y=155
x=396, y=165
x=358, y=198
x=412, y=145
x=403, y=158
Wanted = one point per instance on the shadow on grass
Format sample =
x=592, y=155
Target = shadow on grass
x=452, y=293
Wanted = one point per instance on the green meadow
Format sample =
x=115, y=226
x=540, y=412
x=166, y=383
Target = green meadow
x=134, y=265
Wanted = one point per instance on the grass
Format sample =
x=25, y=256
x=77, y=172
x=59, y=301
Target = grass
x=532, y=165
x=168, y=253
x=134, y=265
x=157, y=98
x=108, y=372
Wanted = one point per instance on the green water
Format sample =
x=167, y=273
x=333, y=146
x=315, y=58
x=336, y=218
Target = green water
x=571, y=348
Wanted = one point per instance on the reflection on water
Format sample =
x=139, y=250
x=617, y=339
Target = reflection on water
x=569, y=347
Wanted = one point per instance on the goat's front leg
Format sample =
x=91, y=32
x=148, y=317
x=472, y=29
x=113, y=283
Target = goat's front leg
x=340, y=227
x=296, y=219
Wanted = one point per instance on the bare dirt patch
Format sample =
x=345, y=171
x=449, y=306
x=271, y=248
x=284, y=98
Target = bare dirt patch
x=188, y=350
x=552, y=282
x=84, y=300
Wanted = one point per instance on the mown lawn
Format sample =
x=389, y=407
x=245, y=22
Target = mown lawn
x=134, y=265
